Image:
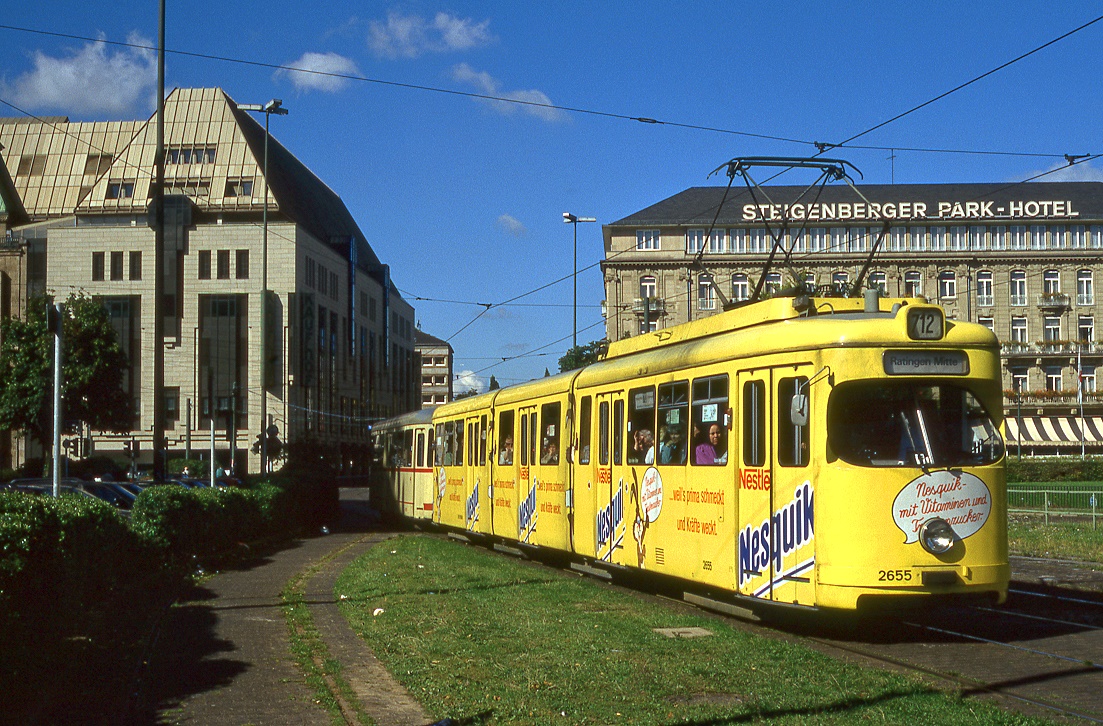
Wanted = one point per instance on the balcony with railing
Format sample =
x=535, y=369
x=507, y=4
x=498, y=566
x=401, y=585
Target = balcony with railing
x=653, y=305
x=1042, y=347
x=1054, y=301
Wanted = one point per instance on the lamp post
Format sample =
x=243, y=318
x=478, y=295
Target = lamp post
x=275, y=106
x=571, y=219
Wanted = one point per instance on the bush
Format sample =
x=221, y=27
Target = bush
x=1039, y=469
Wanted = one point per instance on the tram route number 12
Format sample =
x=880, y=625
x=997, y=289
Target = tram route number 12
x=924, y=324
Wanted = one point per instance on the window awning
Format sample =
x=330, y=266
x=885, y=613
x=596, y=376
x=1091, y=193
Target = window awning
x=1055, y=429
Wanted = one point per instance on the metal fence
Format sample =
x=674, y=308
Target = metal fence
x=1054, y=501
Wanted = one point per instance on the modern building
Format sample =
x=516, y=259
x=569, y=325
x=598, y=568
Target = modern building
x=13, y=279
x=1021, y=259
x=339, y=351
x=436, y=369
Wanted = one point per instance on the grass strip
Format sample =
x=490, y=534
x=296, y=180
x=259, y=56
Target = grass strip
x=484, y=639
x=323, y=673
x=1030, y=536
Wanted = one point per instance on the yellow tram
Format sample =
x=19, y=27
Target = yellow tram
x=819, y=452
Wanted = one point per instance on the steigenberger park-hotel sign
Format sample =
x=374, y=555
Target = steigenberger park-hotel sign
x=909, y=211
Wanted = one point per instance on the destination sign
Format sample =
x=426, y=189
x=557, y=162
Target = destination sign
x=909, y=211
x=926, y=362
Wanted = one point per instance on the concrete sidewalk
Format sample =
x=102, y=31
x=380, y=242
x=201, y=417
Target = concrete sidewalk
x=223, y=653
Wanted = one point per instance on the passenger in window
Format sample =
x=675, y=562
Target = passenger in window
x=551, y=454
x=713, y=451
x=672, y=450
x=644, y=445
x=505, y=456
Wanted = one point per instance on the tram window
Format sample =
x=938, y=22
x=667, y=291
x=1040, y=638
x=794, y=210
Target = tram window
x=449, y=456
x=524, y=439
x=482, y=441
x=472, y=441
x=618, y=432
x=673, y=421
x=430, y=450
x=505, y=438
x=908, y=423
x=549, y=424
x=709, y=421
x=641, y=426
x=440, y=443
x=534, y=439
x=603, y=433
x=408, y=447
x=420, y=449
x=584, y=431
x=792, y=440
x=754, y=423
x=459, y=443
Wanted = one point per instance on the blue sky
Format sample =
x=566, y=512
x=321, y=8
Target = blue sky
x=464, y=197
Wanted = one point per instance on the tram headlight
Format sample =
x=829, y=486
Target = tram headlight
x=937, y=536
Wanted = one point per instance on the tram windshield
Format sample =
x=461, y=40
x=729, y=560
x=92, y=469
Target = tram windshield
x=910, y=423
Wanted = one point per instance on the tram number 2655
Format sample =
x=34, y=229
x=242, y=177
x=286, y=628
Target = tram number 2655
x=894, y=575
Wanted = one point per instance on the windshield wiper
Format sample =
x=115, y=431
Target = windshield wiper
x=921, y=459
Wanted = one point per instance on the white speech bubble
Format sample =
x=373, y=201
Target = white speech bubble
x=651, y=494
x=962, y=500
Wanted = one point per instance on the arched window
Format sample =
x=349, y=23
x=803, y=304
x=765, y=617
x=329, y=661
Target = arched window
x=947, y=284
x=649, y=287
x=741, y=287
x=913, y=284
x=1017, y=287
x=706, y=295
x=1085, y=288
x=984, y=289
x=879, y=281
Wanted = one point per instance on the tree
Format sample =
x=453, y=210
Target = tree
x=92, y=371
x=466, y=394
x=580, y=356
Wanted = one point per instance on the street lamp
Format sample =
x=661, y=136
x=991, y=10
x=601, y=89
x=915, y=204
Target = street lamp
x=569, y=218
x=275, y=106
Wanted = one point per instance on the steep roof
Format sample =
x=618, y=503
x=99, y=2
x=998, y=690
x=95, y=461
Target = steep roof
x=424, y=340
x=214, y=154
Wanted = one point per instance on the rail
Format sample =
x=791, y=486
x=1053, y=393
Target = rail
x=1056, y=501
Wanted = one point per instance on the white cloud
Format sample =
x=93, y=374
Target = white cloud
x=95, y=79
x=1083, y=171
x=533, y=102
x=466, y=380
x=511, y=225
x=409, y=36
x=317, y=67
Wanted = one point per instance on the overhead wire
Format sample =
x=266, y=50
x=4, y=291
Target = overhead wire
x=822, y=147
x=571, y=109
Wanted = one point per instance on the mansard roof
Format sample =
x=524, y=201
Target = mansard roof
x=698, y=205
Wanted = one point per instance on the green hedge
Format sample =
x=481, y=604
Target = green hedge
x=1039, y=469
x=81, y=586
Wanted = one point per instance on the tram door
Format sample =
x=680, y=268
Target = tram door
x=754, y=478
x=477, y=477
x=776, y=552
x=606, y=457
